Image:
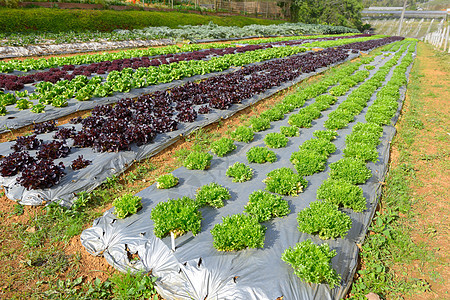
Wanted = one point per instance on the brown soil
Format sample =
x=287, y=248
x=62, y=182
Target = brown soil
x=430, y=157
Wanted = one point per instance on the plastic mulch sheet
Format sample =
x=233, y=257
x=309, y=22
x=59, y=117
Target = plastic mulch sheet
x=51, y=48
x=197, y=271
x=105, y=165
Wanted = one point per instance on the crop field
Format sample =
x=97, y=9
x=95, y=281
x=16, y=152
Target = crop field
x=243, y=169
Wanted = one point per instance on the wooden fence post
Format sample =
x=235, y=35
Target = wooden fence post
x=441, y=40
x=429, y=27
x=446, y=38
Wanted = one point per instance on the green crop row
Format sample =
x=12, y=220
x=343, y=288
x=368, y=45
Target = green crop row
x=386, y=103
x=356, y=102
x=323, y=217
x=361, y=145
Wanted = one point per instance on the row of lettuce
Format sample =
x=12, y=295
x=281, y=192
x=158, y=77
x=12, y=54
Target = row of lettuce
x=83, y=88
x=341, y=189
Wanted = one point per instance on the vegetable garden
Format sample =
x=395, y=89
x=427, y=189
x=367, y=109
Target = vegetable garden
x=274, y=209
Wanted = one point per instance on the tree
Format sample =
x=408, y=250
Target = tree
x=333, y=12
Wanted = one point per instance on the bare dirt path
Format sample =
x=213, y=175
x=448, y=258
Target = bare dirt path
x=430, y=154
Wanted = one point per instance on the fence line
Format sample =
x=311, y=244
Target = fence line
x=439, y=38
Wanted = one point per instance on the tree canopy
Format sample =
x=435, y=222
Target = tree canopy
x=333, y=12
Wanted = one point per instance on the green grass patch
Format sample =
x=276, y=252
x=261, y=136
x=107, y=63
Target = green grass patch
x=64, y=20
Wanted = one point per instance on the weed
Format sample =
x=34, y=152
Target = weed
x=17, y=210
x=134, y=286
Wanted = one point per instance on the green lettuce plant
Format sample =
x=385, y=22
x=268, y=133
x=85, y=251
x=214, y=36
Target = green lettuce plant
x=324, y=219
x=176, y=215
x=238, y=232
x=259, y=123
x=312, y=263
x=284, y=181
x=260, y=155
x=222, y=146
x=290, y=131
x=351, y=170
x=265, y=206
x=342, y=193
x=239, y=172
x=308, y=162
x=212, y=194
x=243, y=134
x=275, y=140
x=166, y=181
x=126, y=205
x=198, y=161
